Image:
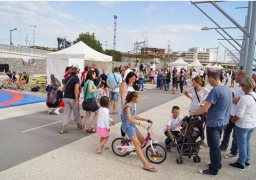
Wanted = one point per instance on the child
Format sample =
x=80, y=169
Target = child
x=100, y=93
x=103, y=123
x=129, y=127
x=155, y=77
x=172, y=126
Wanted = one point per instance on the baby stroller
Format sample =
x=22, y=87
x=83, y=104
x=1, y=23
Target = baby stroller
x=186, y=142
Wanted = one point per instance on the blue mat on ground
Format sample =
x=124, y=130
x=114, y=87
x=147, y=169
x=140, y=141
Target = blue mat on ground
x=10, y=99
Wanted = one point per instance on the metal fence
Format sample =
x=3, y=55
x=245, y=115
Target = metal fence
x=24, y=50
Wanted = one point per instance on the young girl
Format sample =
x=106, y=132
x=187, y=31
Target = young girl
x=103, y=123
x=129, y=127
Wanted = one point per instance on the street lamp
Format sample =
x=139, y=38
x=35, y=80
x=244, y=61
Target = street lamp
x=34, y=26
x=207, y=28
x=11, y=35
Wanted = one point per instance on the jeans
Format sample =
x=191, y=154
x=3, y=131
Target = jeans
x=141, y=81
x=164, y=82
x=168, y=139
x=226, y=137
x=158, y=82
x=243, y=136
x=213, y=139
x=185, y=80
x=181, y=87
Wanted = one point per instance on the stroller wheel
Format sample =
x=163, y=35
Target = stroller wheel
x=197, y=159
x=179, y=160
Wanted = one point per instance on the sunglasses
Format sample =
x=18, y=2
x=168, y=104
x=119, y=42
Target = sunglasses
x=242, y=85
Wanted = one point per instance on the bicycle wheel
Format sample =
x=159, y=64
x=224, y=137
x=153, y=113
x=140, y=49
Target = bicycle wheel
x=119, y=142
x=159, y=156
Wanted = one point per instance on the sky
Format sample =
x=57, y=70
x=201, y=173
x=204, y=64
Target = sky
x=157, y=22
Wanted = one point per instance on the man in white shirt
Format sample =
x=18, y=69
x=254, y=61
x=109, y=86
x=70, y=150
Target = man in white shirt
x=194, y=74
x=201, y=73
x=237, y=94
x=126, y=71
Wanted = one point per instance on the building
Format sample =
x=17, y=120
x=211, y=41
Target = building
x=151, y=51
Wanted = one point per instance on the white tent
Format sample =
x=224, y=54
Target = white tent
x=196, y=65
x=78, y=55
x=179, y=63
x=209, y=65
x=220, y=66
x=215, y=66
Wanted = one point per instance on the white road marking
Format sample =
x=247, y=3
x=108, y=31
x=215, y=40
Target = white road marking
x=143, y=98
x=41, y=126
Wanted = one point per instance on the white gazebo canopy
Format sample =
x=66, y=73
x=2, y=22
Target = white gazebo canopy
x=196, y=63
x=178, y=62
x=216, y=66
x=220, y=66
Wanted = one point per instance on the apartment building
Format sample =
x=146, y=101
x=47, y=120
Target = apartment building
x=151, y=51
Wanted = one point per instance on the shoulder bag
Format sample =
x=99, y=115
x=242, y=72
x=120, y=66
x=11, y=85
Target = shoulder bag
x=90, y=103
x=197, y=95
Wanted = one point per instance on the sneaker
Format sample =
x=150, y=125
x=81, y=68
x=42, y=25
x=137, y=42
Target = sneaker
x=207, y=172
x=56, y=111
x=205, y=145
x=236, y=165
x=49, y=111
x=99, y=151
x=229, y=156
x=247, y=165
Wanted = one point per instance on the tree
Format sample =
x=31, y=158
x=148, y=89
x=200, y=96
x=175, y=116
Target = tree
x=115, y=54
x=90, y=40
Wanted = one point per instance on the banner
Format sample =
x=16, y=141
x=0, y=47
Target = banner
x=29, y=61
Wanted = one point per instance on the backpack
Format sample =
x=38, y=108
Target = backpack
x=35, y=89
x=52, y=97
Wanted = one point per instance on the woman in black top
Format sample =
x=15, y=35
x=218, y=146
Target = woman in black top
x=103, y=79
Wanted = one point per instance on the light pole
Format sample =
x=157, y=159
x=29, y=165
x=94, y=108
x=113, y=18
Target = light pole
x=11, y=35
x=34, y=29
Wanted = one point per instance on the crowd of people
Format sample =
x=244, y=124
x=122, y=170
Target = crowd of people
x=118, y=93
x=14, y=81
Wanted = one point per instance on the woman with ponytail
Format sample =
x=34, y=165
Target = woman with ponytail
x=129, y=127
x=197, y=93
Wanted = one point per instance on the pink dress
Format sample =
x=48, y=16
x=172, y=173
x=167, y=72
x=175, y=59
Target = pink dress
x=103, y=122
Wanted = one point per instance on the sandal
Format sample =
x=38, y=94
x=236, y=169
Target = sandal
x=92, y=130
x=79, y=127
x=153, y=170
x=105, y=148
x=86, y=131
x=63, y=131
x=114, y=113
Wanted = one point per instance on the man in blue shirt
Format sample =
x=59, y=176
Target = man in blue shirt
x=9, y=79
x=218, y=106
x=114, y=81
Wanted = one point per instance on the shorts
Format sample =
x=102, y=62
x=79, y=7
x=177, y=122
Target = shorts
x=130, y=131
x=102, y=132
x=113, y=96
x=175, y=85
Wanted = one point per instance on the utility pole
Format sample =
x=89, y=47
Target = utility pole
x=34, y=33
x=106, y=44
x=168, y=49
x=26, y=40
x=114, y=43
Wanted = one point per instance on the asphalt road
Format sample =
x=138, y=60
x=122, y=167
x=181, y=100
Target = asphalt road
x=26, y=137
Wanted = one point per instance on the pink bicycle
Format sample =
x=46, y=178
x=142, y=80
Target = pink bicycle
x=155, y=152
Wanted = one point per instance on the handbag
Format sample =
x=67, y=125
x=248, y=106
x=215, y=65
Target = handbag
x=90, y=103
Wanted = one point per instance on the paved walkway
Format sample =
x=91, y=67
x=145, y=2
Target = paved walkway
x=78, y=160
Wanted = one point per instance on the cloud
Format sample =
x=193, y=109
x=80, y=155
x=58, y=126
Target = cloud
x=150, y=7
x=107, y=3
